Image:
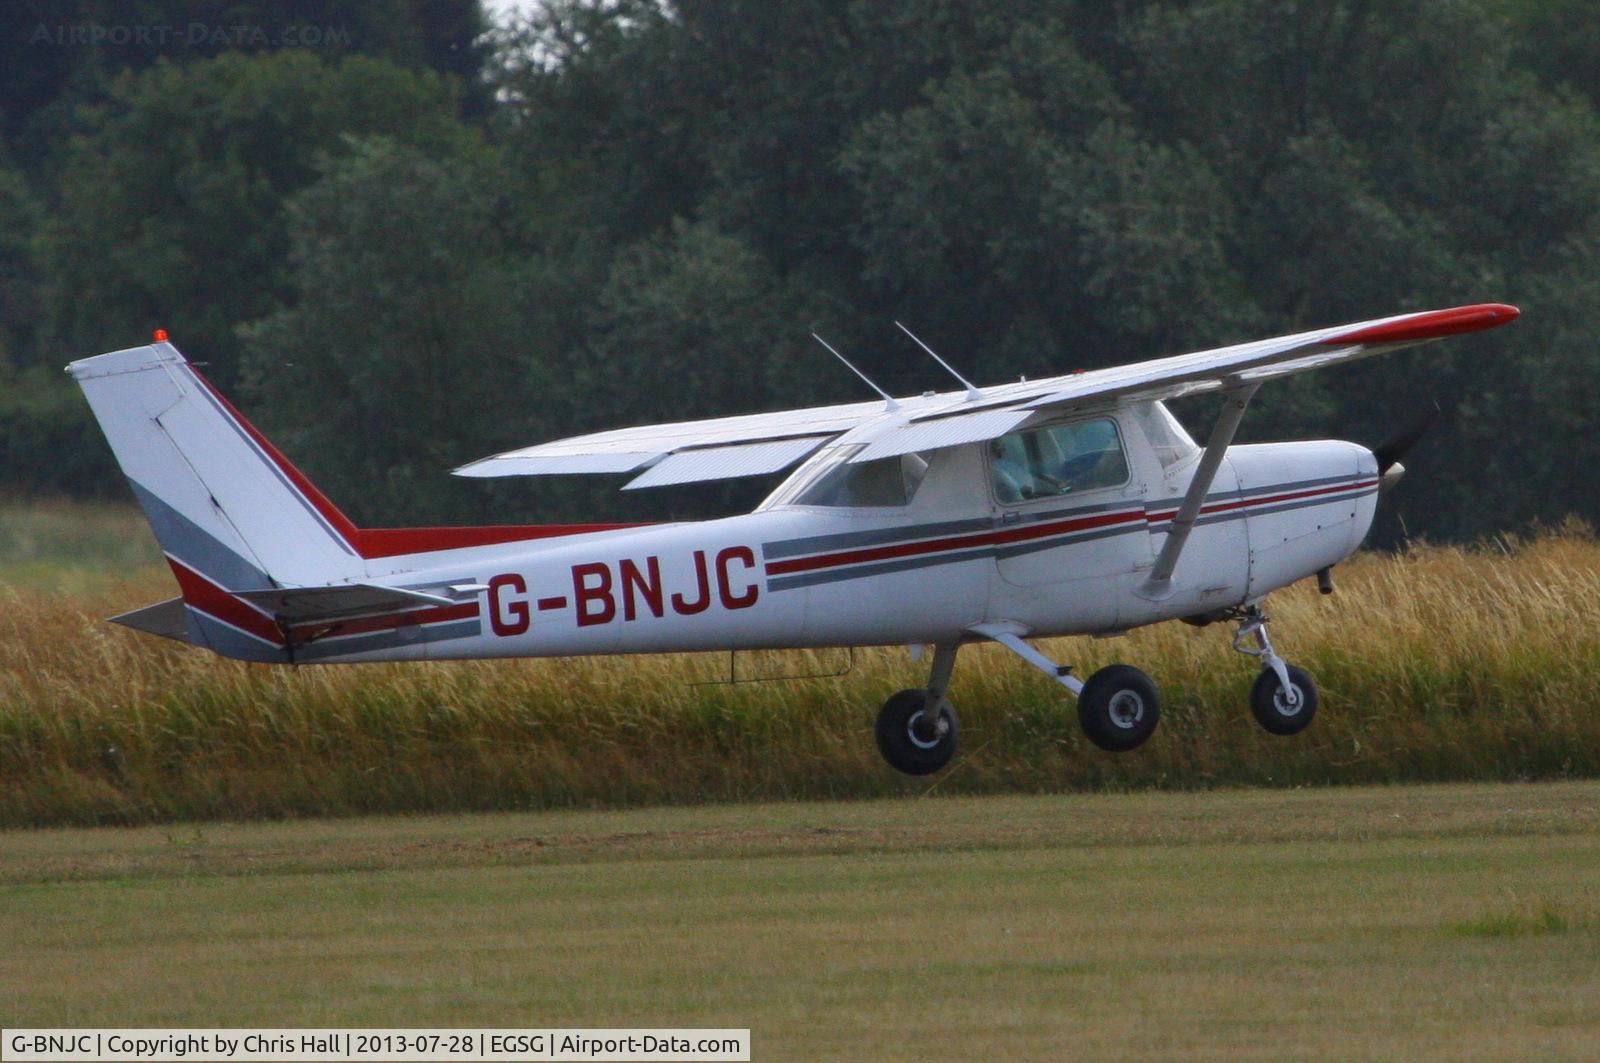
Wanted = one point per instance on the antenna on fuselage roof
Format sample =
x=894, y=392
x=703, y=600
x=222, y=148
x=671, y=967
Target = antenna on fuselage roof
x=888, y=399
x=973, y=394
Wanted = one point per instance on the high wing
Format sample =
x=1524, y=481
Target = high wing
x=750, y=443
x=753, y=444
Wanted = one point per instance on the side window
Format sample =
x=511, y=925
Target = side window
x=886, y=482
x=1059, y=460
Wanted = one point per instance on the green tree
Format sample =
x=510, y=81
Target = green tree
x=170, y=206
x=57, y=56
x=405, y=351
x=19, y=309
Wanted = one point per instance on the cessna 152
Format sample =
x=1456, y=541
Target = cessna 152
x=1068, y=505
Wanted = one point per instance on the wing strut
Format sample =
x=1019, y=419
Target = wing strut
x=1234, y=400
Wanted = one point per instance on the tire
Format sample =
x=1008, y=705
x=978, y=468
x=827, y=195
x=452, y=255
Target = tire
x=1119, y=708
x=1273, y=711
x=903, y=741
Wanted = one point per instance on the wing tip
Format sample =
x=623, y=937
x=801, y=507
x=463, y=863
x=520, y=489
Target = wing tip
x=1430, y=325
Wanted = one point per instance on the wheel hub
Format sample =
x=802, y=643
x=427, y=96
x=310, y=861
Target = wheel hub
x=1288, y=700
x=923, y=733
x=1126, y=709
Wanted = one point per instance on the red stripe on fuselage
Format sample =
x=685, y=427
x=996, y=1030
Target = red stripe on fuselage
x=436, y=615
x=954, y=542
x=372, y=543
x=217, y=603
x=1246, y=503
x=391, y=542
x=1041, y=530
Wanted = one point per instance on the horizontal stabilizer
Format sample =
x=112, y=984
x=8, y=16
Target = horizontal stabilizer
x=166, y=619
x=307, y=605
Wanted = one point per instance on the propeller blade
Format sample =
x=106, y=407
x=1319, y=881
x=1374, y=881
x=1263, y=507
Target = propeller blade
x=1391, y=450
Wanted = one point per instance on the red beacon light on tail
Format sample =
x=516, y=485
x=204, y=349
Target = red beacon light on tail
x=161, y=335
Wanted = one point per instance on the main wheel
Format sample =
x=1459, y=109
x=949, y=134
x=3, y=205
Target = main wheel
x=912, y=742
x=1119, y=707
x=1284, y=712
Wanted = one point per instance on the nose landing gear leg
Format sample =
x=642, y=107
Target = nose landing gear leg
x=1284, y=698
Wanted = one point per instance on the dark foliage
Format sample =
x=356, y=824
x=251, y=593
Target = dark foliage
x=422, y=244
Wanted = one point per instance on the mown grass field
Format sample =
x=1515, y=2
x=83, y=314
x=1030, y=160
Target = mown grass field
x=1429, y=922
x=1439, y=664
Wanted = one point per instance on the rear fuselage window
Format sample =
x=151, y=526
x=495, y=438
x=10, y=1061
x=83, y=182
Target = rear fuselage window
x=835, y=481
x=1064, y=459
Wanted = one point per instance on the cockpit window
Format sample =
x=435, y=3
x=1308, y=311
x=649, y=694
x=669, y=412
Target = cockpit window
x=1059, y=460
x=834, y=481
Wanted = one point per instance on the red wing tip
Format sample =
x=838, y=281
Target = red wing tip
x=1431, y=324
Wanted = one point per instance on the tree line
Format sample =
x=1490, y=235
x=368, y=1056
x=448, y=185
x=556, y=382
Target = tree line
x=426, y=238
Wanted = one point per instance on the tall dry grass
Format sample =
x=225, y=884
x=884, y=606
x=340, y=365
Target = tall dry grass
x=1442, y=663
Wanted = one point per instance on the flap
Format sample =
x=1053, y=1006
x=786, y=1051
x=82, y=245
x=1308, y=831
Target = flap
x=725, y=463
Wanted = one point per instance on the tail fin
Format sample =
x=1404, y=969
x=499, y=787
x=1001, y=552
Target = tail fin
x=221, y=500
x=256, y=548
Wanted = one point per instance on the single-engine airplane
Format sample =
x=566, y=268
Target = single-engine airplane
x=1071, y=505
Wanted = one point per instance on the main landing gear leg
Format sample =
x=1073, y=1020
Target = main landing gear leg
x=917, y=729
x=1118, y=707
x=1284, y=698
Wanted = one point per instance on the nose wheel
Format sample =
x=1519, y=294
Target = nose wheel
x=1284, y=710
x=1284, y=698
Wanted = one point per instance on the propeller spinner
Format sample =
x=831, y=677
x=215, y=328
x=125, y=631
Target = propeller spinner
x=1391, y=450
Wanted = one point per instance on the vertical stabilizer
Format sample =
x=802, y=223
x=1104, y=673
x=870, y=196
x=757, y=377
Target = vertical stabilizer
x=221, y=501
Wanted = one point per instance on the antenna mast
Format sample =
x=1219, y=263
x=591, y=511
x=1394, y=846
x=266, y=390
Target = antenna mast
x=888, y=399
x=973, y=394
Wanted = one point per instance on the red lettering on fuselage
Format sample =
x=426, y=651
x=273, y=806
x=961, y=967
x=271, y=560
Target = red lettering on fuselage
x=633, y=589
x=596, y=595
x=747, y=557
x=507, y=618
x=647, y=584
x=682, y=605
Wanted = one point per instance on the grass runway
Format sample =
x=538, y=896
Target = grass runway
x=1444, y=922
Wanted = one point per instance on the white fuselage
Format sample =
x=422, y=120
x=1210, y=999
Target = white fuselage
x=791, y=575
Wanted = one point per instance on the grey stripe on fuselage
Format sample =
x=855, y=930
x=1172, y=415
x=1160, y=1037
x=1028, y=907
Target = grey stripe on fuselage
x=904, y=564
x=1293, y=485
x=384, y=640
x=1303, y=503
x=843, y=540
x=229, y=641
x=913, y=532
x=910, y=533
x=838, y=574
x=876, y=568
